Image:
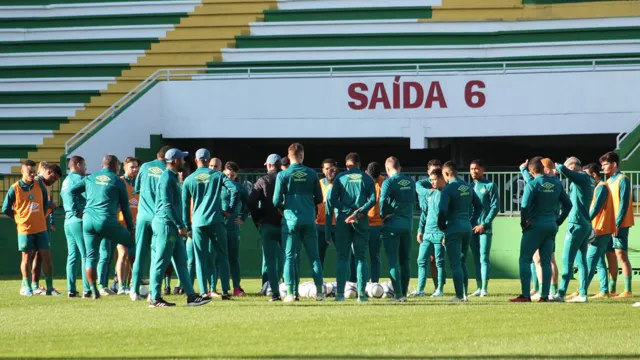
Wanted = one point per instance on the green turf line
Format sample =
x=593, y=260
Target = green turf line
x=76, y=45
x=47, y=97
x=36, y=123
x=78, y=21
x=422, y=12
x=49, y=71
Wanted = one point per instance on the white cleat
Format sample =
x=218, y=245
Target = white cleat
x=134, y=296
x=484, y=293
x=106, y=292
x=578, y=299
x=320, y=297
x=289, y=299
x=476, y=293
x=636, y=304
x=121, y=292
x=456, y=299
x=536, y=296
x=437, y=293
x=555, y=298
x=395, y=300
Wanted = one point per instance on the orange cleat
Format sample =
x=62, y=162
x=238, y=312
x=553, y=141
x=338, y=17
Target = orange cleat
x=600, y=296
x=625, y=295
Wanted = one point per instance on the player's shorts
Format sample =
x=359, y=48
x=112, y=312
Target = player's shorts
x=620, y=242
x=31, y=242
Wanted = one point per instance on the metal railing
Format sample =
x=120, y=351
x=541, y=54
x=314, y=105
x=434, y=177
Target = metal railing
x=442, y=69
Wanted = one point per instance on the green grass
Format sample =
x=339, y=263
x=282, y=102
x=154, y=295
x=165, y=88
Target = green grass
x=251, y=327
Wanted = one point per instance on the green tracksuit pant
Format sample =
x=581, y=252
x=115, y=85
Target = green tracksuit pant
x=457, y=244
x=295, y=237
x=271, y=239
x=431, y=245
x=107, y=252
x=397, y=246
x=168, y=246
x=279, y=262
x=576, y=242
x=466, y=241
x=537, y=237
x=191, y=261
x=595, y=260
x=375, y=261
x=480, y=248
x=233, y=251
x=95, y=230
x=348, y=237
x=207, y=242
x=322, y=243
x=144, y=233
x=76, y=252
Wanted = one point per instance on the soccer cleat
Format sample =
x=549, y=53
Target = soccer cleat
x=636, y=304
x=86, y=295
x=265, y=286
x=484, y=293
x=543, y=299
x=556, y=298
x=437, y=293
x=417, y=294
x=275, y=298
x=320, y=297
x=624, y=295
x=289, y=298
x=176, y=290
x=600, y=295
x=95, y=296
x=166, y=291
x=114, y=284
x=578, y=299
x=394, y=300
x=521, y=298
x=27, y=292
x=535, y=297
x=297, y=297
x=106, y=292
x=72, y=294
x=122, y=292
x=214, y=293
x=456, y=299
x=476, y=293
x=53, y=292
x=403, y=299
x=160, y=303
x=196, y=300
x=226, y=296
x=38, y=291
x=339, y=298
x=23, y=291
x=134, y=296
x=363, y=299
x=238, y=292
x=573, y=294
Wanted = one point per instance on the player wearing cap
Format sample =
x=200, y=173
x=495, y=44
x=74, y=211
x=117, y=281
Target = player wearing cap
x=297, y=193
x=329, y=169
x=145, y=186
x=285, y=163
x=268, y=220
x=168, y=227
x=203, y=214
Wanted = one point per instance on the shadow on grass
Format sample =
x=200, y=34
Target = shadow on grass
x=367, y=357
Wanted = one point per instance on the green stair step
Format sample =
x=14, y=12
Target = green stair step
x=35, y=123
x=78, y=21
x=422, y=12
x=50, y=71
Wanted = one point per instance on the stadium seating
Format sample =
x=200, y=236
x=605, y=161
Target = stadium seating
x=64, y=63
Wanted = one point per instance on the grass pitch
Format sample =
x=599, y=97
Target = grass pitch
x=250, y=327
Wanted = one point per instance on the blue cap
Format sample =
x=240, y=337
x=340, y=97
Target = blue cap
x=273, y=159
x=175, y=154
x=203, y=154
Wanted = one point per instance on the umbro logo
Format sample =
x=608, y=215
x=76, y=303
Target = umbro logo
x=299, y=176
x=404, y=182
x=133, y=202
x=103, y=178
x=202, y=178
x=355, y=176
x=34, y=207
x=463, y=188
x=155, y=171
x=548, y=186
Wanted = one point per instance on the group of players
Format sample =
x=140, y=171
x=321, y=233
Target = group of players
x=193, y=221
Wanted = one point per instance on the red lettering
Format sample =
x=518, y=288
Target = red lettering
x=379, y=96
x=406, y=95
x=361, y=100
x=435, y=95
x=396, y=92
x=474, y=99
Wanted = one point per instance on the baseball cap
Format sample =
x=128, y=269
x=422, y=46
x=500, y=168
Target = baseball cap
x=175, y=154
x=273, y=159
x=203, y=154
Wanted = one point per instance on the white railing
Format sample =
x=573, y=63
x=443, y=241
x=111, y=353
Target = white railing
x=442, y=69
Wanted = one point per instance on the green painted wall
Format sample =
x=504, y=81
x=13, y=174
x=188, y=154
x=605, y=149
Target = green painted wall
x=504, y=254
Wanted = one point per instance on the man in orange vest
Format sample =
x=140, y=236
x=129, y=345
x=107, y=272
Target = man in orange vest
x=27, y=203
x=375, y=223
x=329, y=169
x=620, y=187
x=604, y=224
x=127, y=256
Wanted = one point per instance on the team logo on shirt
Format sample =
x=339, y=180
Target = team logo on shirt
x=133, y=202
x=202, y=178
x=155, y=172
x=299, y=176
x=404, y=184
x=355, y=177
x=34, y=207
x=483, y=190
x=464, y=190
x=102, y=180
x=548, y=187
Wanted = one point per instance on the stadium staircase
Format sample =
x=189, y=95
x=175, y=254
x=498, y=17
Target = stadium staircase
x=629, y=149
x=64, y=63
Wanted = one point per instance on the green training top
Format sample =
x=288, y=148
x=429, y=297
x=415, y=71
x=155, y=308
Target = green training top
x=459, y=207
x=487, y=193
x=397, y=198
x=429, y=216
x=106, y=195
x=581, y=188
x=240, y=209
x=203, y=188
x=73, y=204
x=423, y=187
x=169, y=200
x=297, y=194
x=353, y=192
x=540, y=201
x=146, y=185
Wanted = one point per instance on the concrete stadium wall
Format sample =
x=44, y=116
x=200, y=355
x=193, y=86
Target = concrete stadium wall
x=504, y=253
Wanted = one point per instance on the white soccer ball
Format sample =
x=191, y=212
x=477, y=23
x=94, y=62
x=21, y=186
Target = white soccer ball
x=387, y=289
x=367, y=288
x=350, y=290
x=306, y=288
x=375, y=290
x=144, y=291
x=328, y=288
x=283, y=290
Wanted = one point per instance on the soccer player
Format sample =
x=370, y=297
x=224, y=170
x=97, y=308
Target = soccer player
x=397, y=197
x=285, y=163
x=375, y=223
x=167, y=227
x=26, y=203
x=73, y=208
x=540, y=222
x=126, y=256
x=352, y=196
x=268, y=220
x=145, y=186
x=106, y=194
x=422, y=188
x=188, y=243
x=36, y=268
x=215, y=164
x=487, y=193
x=203, y=214
x=621, y=193
x=577, y=238
x=297, y=193
x=457, y=200
x=329, y=169
x=430, y=237
x=603, y=221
